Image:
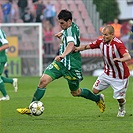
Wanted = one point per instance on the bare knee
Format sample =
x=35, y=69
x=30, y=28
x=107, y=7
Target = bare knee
x=76, y=93
x=44, y=81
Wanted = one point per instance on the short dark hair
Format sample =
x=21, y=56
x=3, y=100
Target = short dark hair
x=65, y=15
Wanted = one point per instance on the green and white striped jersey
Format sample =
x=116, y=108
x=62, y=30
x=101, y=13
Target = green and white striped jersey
x=3, y=57
x=73, y=59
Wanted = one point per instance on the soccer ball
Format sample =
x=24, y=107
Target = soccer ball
x=36, y=108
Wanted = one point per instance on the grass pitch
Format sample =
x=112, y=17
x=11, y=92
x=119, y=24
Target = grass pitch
x=63, y=113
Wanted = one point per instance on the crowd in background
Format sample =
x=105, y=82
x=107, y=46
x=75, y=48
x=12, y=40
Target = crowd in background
x=12, y=11
x=123, y=31
x=29, y=11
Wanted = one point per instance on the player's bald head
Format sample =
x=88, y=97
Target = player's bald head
x=109, y=28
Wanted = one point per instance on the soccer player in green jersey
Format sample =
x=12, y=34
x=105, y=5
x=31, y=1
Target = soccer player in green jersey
x=3, y=59
x=67, y=64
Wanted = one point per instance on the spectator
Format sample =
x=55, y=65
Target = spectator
x=14, y=12
x=131, y=24
x=117, y=28
x=39, y=10
x=131, y=35
x=1, y=13
x=49, y=13
x=6, y=8
x=27, y=17
x=48, y=37
x=125, y=30
x=22, y=4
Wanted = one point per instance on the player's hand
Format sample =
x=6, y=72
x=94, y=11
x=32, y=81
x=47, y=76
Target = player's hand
x=58, y=58
x=59, y=34
x=117, y=59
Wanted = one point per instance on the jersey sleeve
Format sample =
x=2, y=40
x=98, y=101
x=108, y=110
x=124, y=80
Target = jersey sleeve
x=70, y=39
x=3, y=39
x=72, y=35
x=95, y=44
x=122, y=49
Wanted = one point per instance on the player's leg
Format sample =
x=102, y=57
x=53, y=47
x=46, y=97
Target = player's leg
x=6, y=70
x=40, y=90
x=85, y=93
x=3, y=91
x=120, y=87
x=121, y=110
x=82, y=92
x=2, y=86
x=99, y=85
x=39, y=93
x=51, y=73
x=13, y=81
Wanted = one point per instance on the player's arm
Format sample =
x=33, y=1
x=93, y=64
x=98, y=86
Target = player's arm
x=124, y=52
x=82, y=47
x=59, y=34
x=126, y=57
x=3, y=47
x=4, y=42
x=70, y=47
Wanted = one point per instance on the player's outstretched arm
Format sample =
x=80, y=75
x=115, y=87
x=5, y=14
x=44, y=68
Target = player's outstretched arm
x=70, y=48
x=82, y=47
x=3, y=47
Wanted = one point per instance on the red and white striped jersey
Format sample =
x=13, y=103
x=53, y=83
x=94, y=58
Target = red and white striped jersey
x=115, y=49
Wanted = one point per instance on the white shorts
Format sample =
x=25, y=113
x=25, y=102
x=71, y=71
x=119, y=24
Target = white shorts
x=119, y=85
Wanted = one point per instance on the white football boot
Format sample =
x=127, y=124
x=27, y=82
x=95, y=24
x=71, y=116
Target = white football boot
x=5, y=98
x=121, y=110
x=121, y=113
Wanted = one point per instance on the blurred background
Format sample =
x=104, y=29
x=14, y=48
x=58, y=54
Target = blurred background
x=30, y=26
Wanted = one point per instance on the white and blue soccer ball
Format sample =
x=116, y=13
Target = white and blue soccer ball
x=36, y=108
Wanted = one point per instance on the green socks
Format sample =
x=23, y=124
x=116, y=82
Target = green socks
x=2, y=88
x=84, y=93
x=89, y=95
x=38, y=94
x=7, y=80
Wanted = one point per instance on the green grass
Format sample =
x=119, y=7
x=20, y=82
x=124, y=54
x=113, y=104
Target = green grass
x=63, y=113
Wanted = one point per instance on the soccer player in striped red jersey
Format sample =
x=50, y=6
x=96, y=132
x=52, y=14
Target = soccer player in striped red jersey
x=116, y=72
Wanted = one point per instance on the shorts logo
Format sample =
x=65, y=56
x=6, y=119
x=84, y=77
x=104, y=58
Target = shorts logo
x=56, y=66
x=50, y=66
x=70, y=78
